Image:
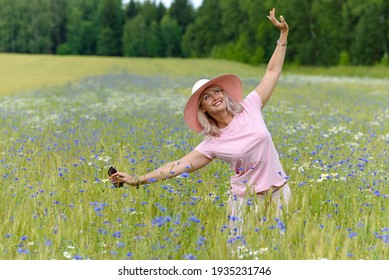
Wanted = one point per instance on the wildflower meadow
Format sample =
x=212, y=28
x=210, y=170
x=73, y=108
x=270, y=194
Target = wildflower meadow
x=332, y=134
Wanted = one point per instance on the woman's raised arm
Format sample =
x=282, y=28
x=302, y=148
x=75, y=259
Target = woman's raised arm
x=274, y=67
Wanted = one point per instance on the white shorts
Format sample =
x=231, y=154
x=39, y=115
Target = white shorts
x=239, y=206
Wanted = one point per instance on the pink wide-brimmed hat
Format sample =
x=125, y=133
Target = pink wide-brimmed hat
x=231, y=84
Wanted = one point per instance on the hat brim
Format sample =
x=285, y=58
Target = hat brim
x=229, y=83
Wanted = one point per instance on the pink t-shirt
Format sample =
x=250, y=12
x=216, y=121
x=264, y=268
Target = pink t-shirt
x=247, y=146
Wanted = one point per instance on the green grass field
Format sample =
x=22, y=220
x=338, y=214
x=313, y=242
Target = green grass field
x=64, y=120
x=20, y=72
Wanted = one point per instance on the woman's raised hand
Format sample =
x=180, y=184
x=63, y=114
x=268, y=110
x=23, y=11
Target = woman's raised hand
x=281, y=25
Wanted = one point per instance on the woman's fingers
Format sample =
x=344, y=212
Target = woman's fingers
x=115, y=177
x=282, y=25
x=272, y=17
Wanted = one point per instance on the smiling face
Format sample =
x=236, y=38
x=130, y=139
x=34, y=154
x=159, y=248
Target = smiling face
x=213, y=100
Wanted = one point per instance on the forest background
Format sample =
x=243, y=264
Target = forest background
x=322, y=32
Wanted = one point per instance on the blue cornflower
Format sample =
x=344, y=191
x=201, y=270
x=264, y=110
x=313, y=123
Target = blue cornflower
x=201, y=240
x=24, y=238
x=384, y=237
x=159, y=221
x=281, y=226
x=140, y=225
x=77, y=257
x=185, y=175
x=129, y=255
x=117, y=234
x=194, y=219
x=352, y=234
x=189, y=256
x=233, y=218
x=23, y=251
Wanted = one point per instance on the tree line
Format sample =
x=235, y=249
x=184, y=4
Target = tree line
x=322, y=32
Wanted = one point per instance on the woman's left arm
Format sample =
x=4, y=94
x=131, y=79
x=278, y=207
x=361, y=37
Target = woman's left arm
x=274, y=67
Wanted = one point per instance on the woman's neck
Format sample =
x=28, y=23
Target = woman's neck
x=223, y=119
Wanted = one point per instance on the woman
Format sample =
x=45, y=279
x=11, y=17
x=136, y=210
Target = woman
x=235, y=132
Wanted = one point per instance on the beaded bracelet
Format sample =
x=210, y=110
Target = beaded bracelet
x=282, y=44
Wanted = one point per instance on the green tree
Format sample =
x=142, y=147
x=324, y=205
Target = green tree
x=34, y=31
x=302, y=30
x=245, y=40
x=8, y=26
x=110, y=19
x=150, y=12
x=141, y=39
x=368, y=46
x=231, y=12
x=73, y=31
x=89, y=26
x=171, y=35
x=81, y=28
x=259, y=31
x=154, y=42
x=58, y=19
x=329, y=41
x=205, y=32
x=183, y=12
x=131, y=9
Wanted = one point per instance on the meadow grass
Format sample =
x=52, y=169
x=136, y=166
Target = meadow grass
x=20, y=72
x=57, y=143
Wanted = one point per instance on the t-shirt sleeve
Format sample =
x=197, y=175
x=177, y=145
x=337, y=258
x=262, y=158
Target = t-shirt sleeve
x=252, y=101
x=206, y=147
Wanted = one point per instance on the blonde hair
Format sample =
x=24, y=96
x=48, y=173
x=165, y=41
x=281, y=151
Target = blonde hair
x=208, y=122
